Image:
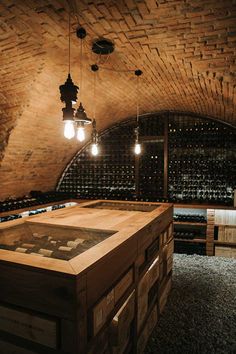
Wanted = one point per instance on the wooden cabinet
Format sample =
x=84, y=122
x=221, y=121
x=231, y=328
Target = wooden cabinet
x=99, y=301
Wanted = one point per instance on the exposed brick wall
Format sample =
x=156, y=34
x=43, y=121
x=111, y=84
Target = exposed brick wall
x=186, y=49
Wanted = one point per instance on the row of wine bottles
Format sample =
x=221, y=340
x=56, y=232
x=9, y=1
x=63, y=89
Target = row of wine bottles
x=47, y=246
x=196, y=218
x=36, y=198
x=201, y=163
x=189, y=248
x=187, y=235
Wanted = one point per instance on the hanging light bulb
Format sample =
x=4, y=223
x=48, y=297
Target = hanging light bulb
x=137, y=146
x=94, y=146
x=81, y=119
x=94, y=149
x=68, y=119
x=69, y=130
x=80, y=133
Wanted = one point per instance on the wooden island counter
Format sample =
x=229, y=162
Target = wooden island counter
x=92, y=278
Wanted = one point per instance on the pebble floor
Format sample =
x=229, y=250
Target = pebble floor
x=200, y=316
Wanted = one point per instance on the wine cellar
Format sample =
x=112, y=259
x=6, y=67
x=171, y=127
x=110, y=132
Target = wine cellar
x=117, y=176
x=178, y=165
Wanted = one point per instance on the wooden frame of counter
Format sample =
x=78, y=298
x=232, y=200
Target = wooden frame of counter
x=70, y=289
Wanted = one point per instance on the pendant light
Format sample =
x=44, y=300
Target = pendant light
x=68, y=96
x=94, y=146
x=137, y=146
x=81, y=118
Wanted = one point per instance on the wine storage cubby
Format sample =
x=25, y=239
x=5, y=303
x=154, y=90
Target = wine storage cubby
x=190, y=248
x=190, y=230
x=184, y=159
x=205, y=230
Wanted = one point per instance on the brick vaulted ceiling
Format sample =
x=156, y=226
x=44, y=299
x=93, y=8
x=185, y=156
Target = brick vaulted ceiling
x=186, y=49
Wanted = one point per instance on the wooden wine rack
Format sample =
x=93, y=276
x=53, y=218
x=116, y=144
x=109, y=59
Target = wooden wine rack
x=218, y=221
x=184, y=159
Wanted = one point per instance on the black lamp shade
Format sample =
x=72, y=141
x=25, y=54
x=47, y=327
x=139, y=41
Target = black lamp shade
x=81, y=116
x=68, y=112
x=68, y=91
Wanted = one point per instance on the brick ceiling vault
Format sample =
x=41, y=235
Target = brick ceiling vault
x=186, y=50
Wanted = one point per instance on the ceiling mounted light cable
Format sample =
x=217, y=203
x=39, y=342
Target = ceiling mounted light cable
x=137, y=146
x=81, y=118
x=68, y=93
x=94, y=146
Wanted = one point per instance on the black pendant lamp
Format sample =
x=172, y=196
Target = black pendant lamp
x=94, y=146
x=137, y=146
x=81, y=118
x=68, y=93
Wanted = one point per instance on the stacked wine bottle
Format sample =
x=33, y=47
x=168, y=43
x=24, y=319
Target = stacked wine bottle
x=47, y=246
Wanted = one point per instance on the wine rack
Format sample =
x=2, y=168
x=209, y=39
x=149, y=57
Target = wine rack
x=110, y=175
x=24, y=213
x=36, y=198
x=151, y=174
x=184, y=159
x=202, y=161
x=190, y=230
x=190, y=248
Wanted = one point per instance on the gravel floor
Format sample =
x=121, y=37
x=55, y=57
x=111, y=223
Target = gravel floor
x=200, y=316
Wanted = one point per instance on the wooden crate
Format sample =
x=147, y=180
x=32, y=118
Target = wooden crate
x=228, y=252
x=120, y=327
x=164, y=292
x=227, y=233
x=144, y=286
x=147, y=330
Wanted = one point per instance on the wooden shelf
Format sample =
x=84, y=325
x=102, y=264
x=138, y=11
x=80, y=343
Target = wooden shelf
x=152, y=138
x=229, y=225
x=209, y=226
x=225, y=243
x=190, y=223
x=194, y=240
x=204, y=206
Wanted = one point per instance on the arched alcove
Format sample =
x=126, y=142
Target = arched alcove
x=185, y=158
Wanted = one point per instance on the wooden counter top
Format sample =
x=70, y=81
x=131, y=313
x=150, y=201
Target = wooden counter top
x=68, y=306
x=85, y=217
x=124, y=224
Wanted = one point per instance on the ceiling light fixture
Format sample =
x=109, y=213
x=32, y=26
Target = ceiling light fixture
x=137, y=146
x=81, y=118
x=103, y=46
x=68, y=96
x=94, y=146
